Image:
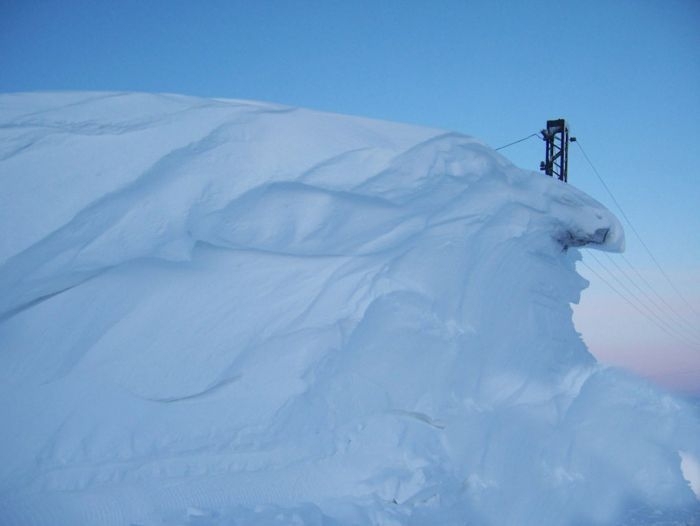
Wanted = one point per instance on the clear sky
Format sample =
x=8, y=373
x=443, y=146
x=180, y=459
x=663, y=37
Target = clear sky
x=625, y=73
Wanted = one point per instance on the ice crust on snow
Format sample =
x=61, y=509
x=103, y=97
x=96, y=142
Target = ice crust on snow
x=232, y=312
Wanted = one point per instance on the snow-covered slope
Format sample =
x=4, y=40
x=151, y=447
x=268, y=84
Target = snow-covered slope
x=227, y=312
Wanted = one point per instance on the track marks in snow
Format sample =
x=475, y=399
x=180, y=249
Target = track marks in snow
x=8, y=151
x=420, y=417
x=210, y=390
x=33, y=303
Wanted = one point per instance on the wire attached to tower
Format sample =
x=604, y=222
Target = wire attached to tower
x=663, y=314
x=519, y=140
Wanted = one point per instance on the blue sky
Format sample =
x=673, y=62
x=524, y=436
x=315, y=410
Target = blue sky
x=626, y=74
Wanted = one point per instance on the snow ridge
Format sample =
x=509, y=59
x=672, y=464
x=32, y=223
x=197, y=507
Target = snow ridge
x=230, y=312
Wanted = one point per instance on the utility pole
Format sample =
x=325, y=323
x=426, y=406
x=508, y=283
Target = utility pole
x=556, y=138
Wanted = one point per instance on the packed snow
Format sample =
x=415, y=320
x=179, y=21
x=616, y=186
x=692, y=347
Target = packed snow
x=221, y=312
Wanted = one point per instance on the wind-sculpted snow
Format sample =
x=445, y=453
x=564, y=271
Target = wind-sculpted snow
x=227, y=312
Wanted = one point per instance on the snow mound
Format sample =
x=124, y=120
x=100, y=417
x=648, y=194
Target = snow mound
x=230, y=312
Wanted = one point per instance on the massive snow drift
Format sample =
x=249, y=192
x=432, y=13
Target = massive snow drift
x=226, y=312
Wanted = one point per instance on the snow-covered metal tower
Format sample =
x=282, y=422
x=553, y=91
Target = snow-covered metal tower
x=556, y=137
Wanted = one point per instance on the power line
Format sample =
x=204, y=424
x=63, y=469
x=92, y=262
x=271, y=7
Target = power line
x=677, y=324
x=678, y=333
x=684, y=321
x=625, y=298
x=634, y=230
x=629, y=291
x=689, y=329
x=519, y=140
x=635, y=307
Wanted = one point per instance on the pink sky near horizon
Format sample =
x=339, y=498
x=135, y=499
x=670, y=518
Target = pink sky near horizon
x=618, y=334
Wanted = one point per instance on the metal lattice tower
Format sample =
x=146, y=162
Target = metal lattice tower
x=556, y=137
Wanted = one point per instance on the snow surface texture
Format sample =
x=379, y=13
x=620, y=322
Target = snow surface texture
x=226, y=312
